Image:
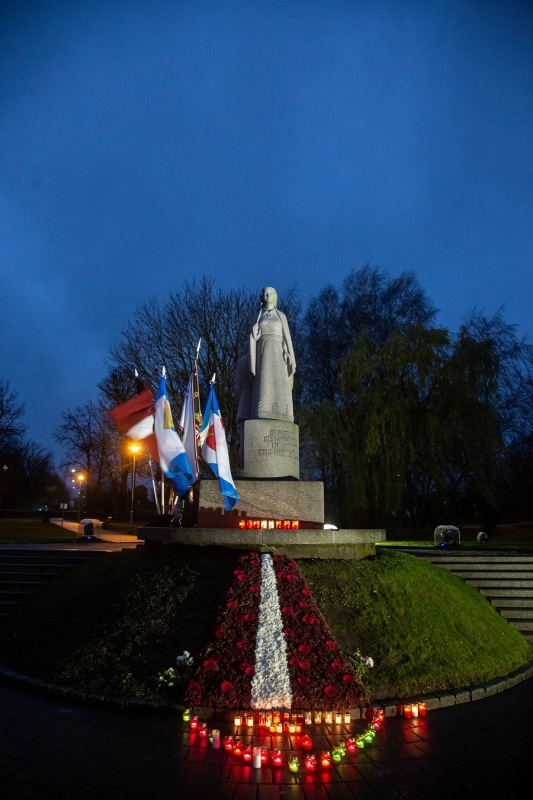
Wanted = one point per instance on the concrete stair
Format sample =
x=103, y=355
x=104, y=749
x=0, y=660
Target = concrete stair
x=22, y=572
x=506, y=580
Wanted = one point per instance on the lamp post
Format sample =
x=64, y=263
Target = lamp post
x=134, y=449
x=80, y=478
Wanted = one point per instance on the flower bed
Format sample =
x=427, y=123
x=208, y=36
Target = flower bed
x=272, y=647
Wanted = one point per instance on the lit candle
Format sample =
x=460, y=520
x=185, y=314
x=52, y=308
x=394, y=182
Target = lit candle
x=228, y=743
x=238, y=747
x=422, y=709
x=248, y=753
x=294, y=763
x=336, y=754
x=203, y=730
x=276, y=717
x=272, y=727
x=369, y=736
x=250, y=721
x=264, y=755
x=215, y=738
x=347, y=717
x=360, y=741
x=193, y=723
x=307, y=718
x=310, y=763
x=351, y=745
x=292, y=727
x=306, y=742
x=279, y=727
x=186, y=716
x=414, y=709
x=298, y=727
x=325, y=759
x=237, y=720
x=328, y=717
x=277, y=758
x=407, y=710
x=338, y=718
x=318, y=717
x=257, y=758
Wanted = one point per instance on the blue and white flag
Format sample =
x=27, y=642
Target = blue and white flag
x=172, y=456
x=214, y=448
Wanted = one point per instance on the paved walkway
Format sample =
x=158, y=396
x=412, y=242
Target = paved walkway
x=51, y=748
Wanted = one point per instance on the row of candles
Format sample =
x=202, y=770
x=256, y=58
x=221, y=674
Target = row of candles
x=259, y=756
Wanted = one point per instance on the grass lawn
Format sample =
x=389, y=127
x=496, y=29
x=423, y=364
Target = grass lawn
x=32, y=530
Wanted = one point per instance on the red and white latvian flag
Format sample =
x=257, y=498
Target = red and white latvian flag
x=135, y=418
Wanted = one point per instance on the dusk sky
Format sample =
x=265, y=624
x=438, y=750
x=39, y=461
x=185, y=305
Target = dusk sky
x=146, y=142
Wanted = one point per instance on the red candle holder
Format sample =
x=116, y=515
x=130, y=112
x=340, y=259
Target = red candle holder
x=248, y=753
x=351, y=745
x=422, y=709
x=277, y=758
x=228, y=743
x=325, y=759
x=310, y=763
x=407, y=710
x=306, y=742
x=238, y=747
x=264, y=755
x=203, y=730
x=193, y=723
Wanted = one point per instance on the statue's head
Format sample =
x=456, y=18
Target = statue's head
x=269, y=297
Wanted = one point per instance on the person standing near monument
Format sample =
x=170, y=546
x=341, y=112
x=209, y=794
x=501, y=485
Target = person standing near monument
x=272, y=362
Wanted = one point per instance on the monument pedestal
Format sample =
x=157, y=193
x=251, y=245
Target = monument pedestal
x=263, y=500
x=271, y=449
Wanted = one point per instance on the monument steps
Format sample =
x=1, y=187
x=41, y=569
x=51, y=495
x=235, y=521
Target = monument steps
x=22, y=572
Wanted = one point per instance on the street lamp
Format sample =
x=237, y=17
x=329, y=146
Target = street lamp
x=134, y=449
x=80, y=478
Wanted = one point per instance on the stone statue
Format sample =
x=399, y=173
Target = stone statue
x=272, y=362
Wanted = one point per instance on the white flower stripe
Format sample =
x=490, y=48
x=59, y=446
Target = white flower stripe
x=271, y=685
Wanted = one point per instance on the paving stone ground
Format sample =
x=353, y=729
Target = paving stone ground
x=50, y=748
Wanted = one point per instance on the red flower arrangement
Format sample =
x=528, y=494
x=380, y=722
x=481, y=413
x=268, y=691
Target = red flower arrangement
x=312, y=639
x=227, y=666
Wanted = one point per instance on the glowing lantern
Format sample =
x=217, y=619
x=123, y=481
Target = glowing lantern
x=238, y=747
x=310, y=762
x=347, y=717
x=248, y=753
x=250, y=720
x=328, y=717
x=193, y=723
x=294, y=763
x=318, y=717
x=307, y=718
x=277, y=758
x=306, y=742
x=351, y=745
x=336, y=754
x=186, y=716
x=237, y=720
x=203, y=730
x=338, y=718
x=414, y=709
x=264, y=755
x=422, y=709
x=325, y=759
x=407, y=710
x=228, y=743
